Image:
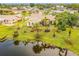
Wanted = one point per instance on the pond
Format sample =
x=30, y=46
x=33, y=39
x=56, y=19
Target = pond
x=17, y=48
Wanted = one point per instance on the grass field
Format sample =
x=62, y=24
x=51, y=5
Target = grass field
x=62, y=38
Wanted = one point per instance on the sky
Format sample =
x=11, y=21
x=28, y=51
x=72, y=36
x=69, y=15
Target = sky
x=39, y=1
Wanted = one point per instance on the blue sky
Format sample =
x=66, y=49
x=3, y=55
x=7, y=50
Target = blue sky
x=39, y=1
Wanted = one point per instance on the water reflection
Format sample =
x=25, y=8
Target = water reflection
x=16, y=42
x=37, y=48
x=25, y=43
x=25, y=48
x=63, y=52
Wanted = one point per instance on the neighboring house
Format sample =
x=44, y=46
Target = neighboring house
x=35, y=18
x=72, y=11
x=50, y=17
x=60, y=7
x=18, y=10
x=57, y=11
x=6, y=12
x=9, y=20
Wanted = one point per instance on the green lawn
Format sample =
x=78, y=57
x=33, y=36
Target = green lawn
x=61, y=39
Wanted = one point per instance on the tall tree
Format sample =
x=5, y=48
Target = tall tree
x=66, y=19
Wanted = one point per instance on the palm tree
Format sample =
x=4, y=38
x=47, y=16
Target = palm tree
x=37, y=30
x=54, y=29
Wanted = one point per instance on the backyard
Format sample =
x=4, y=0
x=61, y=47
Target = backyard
x=62, y=32
x=62, y=39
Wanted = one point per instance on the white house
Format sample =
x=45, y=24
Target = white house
x=37, y=17
x=9, y=20
x=34, y=18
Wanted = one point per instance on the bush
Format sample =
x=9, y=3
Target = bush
x=47, y=30
x=15, y=34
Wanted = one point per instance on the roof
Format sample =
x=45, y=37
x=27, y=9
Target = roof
x=8, y=17
x=35, y=17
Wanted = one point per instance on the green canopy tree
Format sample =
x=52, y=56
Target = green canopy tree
x=66, y=19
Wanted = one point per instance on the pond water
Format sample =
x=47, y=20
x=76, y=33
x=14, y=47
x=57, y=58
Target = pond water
x=16, y=48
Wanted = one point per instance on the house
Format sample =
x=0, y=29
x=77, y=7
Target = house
x=9, y=20
x=6, y=12
x=50, y=17
x=34, y=18
x=37, y=17
x=58, y=11
x=60, y=7
x=72, y=11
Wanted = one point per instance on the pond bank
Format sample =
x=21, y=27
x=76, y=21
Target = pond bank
x=10, y=47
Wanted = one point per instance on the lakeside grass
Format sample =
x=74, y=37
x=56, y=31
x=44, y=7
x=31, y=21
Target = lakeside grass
x=46, y=37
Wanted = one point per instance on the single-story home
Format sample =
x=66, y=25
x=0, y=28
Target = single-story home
x=35, y=18
x=9, y=20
